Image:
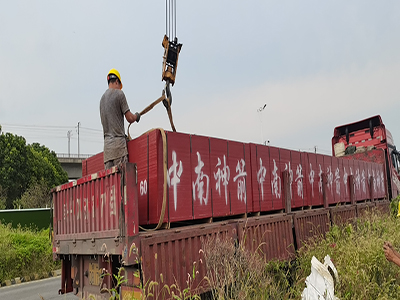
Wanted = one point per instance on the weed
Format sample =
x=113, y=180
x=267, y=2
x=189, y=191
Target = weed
x=24, y=252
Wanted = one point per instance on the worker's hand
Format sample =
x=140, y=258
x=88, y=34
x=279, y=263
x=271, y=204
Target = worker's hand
x=389, y=251
x=137, y=117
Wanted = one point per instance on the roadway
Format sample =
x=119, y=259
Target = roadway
x=45, y=289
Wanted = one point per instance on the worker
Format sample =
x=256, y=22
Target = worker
x=113, y=108
x=391, y=254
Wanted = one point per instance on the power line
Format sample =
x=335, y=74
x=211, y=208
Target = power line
x=98, y=130
x=37, y=126
x=46, y=127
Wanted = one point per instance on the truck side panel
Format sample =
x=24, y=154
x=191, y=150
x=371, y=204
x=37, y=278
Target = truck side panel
x=90, y=214
x=200, y=173
x=239, y=177
x=180, y=204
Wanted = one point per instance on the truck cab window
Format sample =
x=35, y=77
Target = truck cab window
x=396, y=161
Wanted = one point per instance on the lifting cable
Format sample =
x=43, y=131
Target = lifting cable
x=170, y=19
x=170, y=63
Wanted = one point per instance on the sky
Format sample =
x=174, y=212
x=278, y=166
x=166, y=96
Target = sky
x=315, y=64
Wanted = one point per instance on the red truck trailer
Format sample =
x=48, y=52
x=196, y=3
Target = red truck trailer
x=370, y=140
x=152, y=215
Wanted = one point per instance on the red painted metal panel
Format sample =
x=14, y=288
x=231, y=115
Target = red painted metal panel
x=71, y=217
x=174, y=253
x=371, y=169
x=201, y=177
x=286, y=165
x=93, y=164
x=255, y=185
x=364, y=180
x=276, y=179
x=355, y=171
x=327, y=169
x=380, y=181
x=375, y=191
x=84, y=167
x=222, y=176
x=262, y=179
x=130, y=203
x=298, y=179
x=311, y=180
x=156, y=178
x=319, y=171
x=368, y=175
x=371, y=174
x=360, y=181
x=306, y=179
x=271, y=236
x=249, y=178
x=309, y=224
x=337, y=185
x=376, y=155
x=179, y=177
x=345, y=181
x=341, y=215
x=239, y=177
x=139, y=154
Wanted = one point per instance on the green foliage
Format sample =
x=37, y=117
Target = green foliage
x=394, y=206
x=356, y=251
x=3, y=198
x=23, y=166
x=36, y=196
x=119, y=280
x=24, y=252
x=15, y=173
x=46, y=168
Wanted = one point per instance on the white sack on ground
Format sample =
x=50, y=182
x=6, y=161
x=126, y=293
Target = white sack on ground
x=320, y=283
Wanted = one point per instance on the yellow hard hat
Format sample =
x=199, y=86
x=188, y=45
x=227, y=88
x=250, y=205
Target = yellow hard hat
x=116, y=73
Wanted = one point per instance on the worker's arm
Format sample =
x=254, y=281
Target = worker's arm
x=130, y=117
x=391, y=254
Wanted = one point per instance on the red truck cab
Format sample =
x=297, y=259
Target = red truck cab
x=366, y=136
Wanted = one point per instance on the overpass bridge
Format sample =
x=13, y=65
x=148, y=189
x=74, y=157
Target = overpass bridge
x=72, y=164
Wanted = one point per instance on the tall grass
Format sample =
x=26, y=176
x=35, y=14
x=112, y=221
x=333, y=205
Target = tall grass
x=236, y=273
x=355, y=249
x=25, y=252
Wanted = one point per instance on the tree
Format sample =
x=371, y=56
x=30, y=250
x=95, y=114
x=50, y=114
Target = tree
x=37, y=195
x=23, y=166
x=3, y=197
x=47, y=168
x=15, y=172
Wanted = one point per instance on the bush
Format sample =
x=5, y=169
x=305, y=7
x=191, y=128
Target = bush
x=25, y=252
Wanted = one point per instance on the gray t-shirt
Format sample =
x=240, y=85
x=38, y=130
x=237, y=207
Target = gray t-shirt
x=113, y=106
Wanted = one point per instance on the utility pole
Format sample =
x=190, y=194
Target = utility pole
x=260, y=110
x=69, y=142
x=78, y=139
